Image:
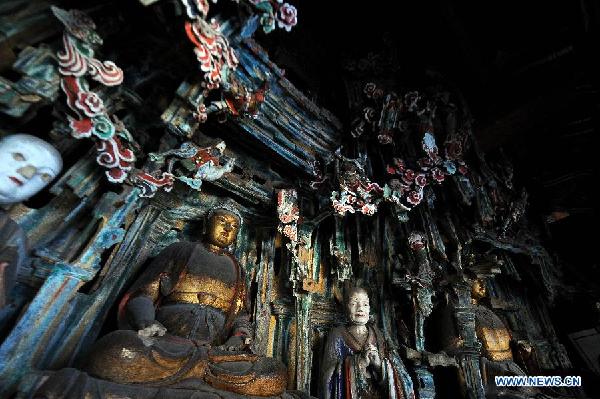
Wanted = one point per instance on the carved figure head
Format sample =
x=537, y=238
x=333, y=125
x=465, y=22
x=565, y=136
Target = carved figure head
x=223, y=227
x=79, y=25
x=27, y=165
x=416, y=241
x=357, y=306
x=221, y=146
x=478, y=290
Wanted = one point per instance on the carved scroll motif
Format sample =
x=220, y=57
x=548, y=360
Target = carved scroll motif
x=90, y=118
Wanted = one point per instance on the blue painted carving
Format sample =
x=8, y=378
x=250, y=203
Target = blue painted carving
x=426, y=386
x=29, y=342
x=38, y=84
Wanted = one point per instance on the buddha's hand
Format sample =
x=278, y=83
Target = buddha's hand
x=363, y=361
x=373, y=356
x=236, y=343
x=155, y=329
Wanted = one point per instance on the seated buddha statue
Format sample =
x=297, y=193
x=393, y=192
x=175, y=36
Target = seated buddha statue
x=184, y=323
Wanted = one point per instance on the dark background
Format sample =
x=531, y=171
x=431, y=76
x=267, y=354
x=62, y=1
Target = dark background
x=529, y=73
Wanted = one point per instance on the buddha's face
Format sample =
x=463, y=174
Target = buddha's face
x=27, y=165
x=478, y=290
x=223, y=228
x=358, y=307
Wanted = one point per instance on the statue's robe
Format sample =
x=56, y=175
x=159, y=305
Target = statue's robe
x=342, y=353
x=196, y=294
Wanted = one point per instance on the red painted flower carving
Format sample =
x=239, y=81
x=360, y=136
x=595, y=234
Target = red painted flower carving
x=438, y=175
x=287, y=16
x=89, y=103
x=414, y=197
x=290, y=216
x=408, y=176
x=291, y=232
x=421, y=180
x=369, y=89
x=368, y=209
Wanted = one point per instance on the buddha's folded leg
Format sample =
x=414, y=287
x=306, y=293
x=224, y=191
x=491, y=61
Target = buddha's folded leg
x=125, y=357
x=261, y=377
x=75, y=384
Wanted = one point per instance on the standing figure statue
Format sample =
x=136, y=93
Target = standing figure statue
x=495, y=337
x=356, y=363
x=496, y=353
x=184, y=327
x=27, y=165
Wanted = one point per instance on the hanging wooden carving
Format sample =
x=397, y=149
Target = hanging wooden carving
x=218, y=59
x=407, y=177
x=289, y=213
x=199, y=163
x=90, y=118
x=356, y=192
x=276, y=11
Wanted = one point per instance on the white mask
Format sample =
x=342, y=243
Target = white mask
x=358, y=308
x=27, y=165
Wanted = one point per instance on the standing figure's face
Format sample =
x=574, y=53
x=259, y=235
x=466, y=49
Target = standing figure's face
x=478, y=290
x=223, y=228
x=358, y=308
x=27, y=165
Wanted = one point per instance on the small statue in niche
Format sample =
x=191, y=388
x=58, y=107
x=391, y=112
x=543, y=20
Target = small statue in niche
x=27, y=165
x=189, y=300
x=356, y=191
x=355, y=362
x=238, y=101
x=207, y=164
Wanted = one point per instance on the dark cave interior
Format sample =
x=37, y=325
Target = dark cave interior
x=528, y=72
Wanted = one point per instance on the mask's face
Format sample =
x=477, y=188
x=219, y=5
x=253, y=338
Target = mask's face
x=27, y=165
x=358, y=308
x=223, y=228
